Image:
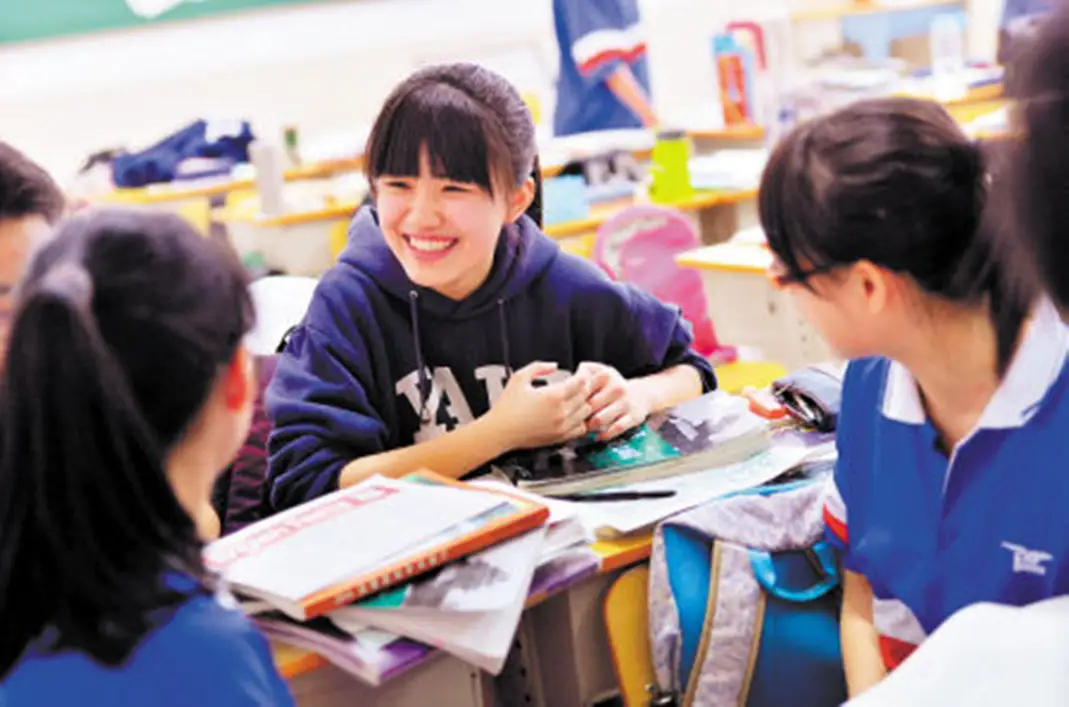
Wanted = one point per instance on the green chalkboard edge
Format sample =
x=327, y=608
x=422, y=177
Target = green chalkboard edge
x=35, y=21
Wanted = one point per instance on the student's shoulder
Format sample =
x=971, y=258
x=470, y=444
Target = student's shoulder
x=580, y=280
x=865, y=376
x=204, y=621
x=343, y=294
x=216, y=646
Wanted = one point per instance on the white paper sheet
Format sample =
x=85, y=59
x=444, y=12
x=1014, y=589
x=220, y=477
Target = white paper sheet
x=607, y=519
x=985, y=656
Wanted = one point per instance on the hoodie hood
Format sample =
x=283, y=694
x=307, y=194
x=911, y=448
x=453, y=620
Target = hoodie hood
x=523, y=253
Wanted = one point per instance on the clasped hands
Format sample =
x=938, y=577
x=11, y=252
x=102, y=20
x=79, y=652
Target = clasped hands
x=532, y=412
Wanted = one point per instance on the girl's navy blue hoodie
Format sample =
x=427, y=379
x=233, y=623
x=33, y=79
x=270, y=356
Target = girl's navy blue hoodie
x=380, y=363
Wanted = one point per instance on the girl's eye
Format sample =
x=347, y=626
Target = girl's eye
x=457, y=188
x=395, y=183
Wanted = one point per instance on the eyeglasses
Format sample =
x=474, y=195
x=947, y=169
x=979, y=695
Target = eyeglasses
x=780, y=278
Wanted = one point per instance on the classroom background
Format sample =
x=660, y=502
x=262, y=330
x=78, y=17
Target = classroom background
x=326, y=66
x=297, y=83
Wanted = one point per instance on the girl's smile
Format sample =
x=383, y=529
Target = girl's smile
x=429, y=248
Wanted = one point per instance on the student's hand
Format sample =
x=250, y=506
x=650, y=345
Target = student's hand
x=616, y=405
x=528, y=415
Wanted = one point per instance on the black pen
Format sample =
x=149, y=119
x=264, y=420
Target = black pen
x=616, y=496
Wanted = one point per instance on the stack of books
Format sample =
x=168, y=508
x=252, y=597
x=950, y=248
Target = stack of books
x=434, y=560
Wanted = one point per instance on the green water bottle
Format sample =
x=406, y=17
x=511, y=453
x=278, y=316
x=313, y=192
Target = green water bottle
x=670, y=168
x=291, y=140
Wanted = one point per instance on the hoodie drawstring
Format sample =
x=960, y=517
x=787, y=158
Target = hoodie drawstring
x=424, y=379
x=503, y=319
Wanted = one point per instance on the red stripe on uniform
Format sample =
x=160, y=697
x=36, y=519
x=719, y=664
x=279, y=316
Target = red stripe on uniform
x=598, y=60
x=894, y=651
x=835, y=525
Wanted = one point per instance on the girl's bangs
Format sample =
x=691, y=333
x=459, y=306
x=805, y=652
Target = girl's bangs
x=451, y=127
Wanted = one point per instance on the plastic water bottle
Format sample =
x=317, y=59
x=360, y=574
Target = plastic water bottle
x=948, y=58
x=270, y=179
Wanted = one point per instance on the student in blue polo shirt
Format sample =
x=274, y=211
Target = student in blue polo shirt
x=950, y=487
x=604, y=81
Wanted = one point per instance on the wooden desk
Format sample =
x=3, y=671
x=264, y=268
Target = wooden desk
x=562, y=626
x=183, y=190
x=748, y=311
x=600, y=214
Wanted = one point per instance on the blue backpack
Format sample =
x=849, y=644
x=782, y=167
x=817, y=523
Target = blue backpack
x=744, y=603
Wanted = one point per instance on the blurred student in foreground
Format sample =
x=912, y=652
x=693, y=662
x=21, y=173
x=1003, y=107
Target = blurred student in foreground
x=1036, y=193
x=30, y=205
x=125, y=390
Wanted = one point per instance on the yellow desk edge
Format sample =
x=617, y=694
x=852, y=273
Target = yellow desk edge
x=847, y=8
x=728, y=257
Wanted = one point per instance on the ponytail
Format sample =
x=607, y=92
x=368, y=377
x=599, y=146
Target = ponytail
x=535, y=209
x=86, y=511
x=897, y=183
x=982, y=273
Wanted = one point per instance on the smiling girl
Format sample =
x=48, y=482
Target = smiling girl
x=452, y=330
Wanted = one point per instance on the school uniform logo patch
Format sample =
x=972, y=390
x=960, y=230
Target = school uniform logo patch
x=1028, y=561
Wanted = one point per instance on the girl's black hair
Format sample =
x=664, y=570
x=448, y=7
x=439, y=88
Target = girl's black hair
x=1035, y=202
x=473, y=122
x=895, y=182
x=26, y=189
x=124, y=321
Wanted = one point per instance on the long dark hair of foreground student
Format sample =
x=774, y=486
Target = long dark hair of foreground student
x=123, y=323
x=1035, y=200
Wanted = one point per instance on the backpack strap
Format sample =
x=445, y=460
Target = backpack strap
x=820, y=577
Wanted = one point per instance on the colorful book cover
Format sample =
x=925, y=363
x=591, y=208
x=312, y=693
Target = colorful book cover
x=716, y=428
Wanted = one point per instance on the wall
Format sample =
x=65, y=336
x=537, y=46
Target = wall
x=323, y=67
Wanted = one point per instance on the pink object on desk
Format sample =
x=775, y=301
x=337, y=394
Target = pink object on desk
x=639, y=245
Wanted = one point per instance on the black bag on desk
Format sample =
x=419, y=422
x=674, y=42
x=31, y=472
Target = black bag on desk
x=812, y=396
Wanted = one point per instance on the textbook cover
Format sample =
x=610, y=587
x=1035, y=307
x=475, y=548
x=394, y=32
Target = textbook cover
x=714, y=430
x=356, y=542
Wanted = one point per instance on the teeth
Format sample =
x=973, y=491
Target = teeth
x=429, y=245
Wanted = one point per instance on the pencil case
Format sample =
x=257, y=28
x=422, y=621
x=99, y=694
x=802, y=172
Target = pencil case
x=812, y=396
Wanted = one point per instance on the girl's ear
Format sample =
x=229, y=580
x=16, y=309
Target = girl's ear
x=875, y=285
x=238, y=381
x=520, y=199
